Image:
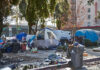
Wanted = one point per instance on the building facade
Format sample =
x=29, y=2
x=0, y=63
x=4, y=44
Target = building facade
x=84, y=14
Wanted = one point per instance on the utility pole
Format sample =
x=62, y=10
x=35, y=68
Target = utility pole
x=73, y=17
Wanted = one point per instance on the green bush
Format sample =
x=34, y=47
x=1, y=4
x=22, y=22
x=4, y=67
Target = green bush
x=63, y=48
x=25, y=68
x=88, y=43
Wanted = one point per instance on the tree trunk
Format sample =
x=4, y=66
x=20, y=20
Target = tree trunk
x=30, y=29
x=36, y=29
x=1, y=26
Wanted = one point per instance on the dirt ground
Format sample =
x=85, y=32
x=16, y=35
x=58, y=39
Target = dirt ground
x=29, y=57
x=24, y=57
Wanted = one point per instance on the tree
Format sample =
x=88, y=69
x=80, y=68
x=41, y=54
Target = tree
x=58, y=22
x=98, y=14
x=22, y=7
x=62, y=13
x=5, y=7
x=90, y=2
x=38, y=10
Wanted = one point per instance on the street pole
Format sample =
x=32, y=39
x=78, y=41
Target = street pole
x=74, y=18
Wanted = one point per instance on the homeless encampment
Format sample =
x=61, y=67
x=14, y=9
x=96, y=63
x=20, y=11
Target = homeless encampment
x=46, y=39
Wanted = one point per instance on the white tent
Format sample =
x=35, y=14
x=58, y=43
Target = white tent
x=46, y=39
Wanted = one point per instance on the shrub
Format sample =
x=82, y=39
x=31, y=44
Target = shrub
x=88, y=43
x=63, y=48
x=25, y=68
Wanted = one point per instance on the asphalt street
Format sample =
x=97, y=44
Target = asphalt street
x=90, y=51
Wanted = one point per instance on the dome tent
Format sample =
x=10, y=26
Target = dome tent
x=46, y=39
x=88, y=34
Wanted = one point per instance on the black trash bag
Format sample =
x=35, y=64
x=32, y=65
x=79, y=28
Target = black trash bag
x=16, y=47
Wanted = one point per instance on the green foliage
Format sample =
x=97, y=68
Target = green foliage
x=90, y=2
x=31, y=12
x=25, y=68
x=14, y=2
x=58, y=23
x=22, y=7
x=89, y=43
x=99, y=14
x=63, y=48
x=4, y=12
x=38, y=10
x=43, y=25
x=4, y=8
x=62, y=10
x=42, y=9
x=52, y=5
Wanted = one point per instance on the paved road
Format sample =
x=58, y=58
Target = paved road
x=90, y=51
x=72, y=69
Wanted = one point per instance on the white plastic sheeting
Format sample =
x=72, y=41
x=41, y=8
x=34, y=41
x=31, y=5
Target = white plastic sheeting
x=62, y=34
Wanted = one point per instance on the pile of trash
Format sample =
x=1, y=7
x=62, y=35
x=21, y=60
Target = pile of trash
x=55, y=59
x=22, y=64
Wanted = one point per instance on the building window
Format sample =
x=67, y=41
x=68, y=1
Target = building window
x=89, y=16
x=89, y=10
x=88, y=23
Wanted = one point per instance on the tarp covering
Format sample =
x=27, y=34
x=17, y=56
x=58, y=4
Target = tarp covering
x=21, y=35
x=1, y=42
x=28, y=37
x=31, y=39
x=62, y=34
x=88, y=34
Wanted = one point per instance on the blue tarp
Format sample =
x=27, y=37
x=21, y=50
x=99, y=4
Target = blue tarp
x=1, y=42
x=21, y=35
x=88, y=34
x=33, y=37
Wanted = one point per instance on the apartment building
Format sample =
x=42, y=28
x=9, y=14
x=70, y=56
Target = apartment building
x=83, y=13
